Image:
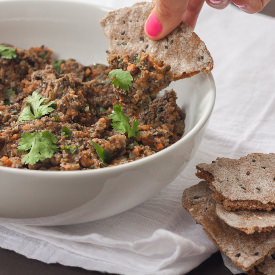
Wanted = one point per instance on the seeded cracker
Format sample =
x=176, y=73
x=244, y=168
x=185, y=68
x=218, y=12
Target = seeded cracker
x=247, y=221
x=182, y=49
x=265, y=268
x=244, y=184
x=245, y=251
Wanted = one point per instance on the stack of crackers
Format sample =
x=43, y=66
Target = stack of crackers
x=235, y=204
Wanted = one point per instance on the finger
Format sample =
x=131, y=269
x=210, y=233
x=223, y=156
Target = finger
x=218, y=4
x=251, y=6
x=192, y=12
x=164, y=18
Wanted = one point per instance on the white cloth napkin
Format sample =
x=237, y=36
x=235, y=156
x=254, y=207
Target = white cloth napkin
x=159, y=237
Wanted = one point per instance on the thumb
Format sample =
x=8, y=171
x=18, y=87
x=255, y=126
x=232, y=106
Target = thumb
x=164, y=18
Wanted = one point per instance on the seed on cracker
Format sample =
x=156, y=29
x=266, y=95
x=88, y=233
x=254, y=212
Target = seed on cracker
x=182, y=49
x=245, y=251
x=265, y=268
x=247, y=221
x=244, y=184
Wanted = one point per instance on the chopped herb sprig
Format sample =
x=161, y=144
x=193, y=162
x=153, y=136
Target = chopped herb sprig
x=7, y=52
x=36, y=108
x=102, y=154
x=56, y=118
x=120, y=122
x=65, y=132
x=70, y=149
x=57, y=65
x=121, y=78
x=41, y=145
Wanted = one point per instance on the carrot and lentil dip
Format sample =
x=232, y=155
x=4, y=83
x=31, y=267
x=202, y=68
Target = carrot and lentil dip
x=76, y=107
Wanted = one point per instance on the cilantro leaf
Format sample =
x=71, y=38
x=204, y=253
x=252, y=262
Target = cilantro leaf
x=120, y=122
x=36, y=109
x=7, y=52
x=26, y=114
x=134, y=130
x=102, y=154
x=65, y=132
x=44, y=57
x=41, y=145
x=123, y=79
x=57, y=65
x=56, y=118
x=70, y=149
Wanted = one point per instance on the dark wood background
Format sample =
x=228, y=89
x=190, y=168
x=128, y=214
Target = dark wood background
x=12, y=263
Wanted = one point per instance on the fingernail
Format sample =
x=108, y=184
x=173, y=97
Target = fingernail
x=244, y=7
x=219, y=3
x=153, y=27
x=216, y=2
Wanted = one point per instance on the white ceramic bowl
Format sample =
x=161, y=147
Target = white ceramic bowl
x=71, y=29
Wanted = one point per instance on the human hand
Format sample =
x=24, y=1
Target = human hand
x=168, y=14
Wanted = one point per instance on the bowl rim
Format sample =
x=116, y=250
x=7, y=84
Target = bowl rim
x=121, y=167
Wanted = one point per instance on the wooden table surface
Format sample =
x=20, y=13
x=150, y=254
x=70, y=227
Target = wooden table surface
x=12, y=263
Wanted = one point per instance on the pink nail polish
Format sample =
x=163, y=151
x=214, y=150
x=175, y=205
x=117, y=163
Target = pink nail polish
x=244, y=7
x=215, y=2
x=219, y=4
x=153, y=27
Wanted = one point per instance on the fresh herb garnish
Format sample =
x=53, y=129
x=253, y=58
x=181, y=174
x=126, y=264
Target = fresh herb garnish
x=36, y=109
x=123, y=79
x=7, y=52
x=44, y=57
x=9, y=93
x=134, y=130
x=70, y=149
x=41, y=145
x=102, y=154
x=120, y=122
x=56, y=118
x=65, y=132
x=57, y=65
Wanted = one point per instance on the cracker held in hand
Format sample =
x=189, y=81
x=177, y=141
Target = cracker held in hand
x=245, y=251
x=182, y=49
x=247, y=221
x=244, y=184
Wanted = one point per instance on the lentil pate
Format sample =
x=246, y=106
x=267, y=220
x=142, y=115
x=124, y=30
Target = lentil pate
x=80, y=101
